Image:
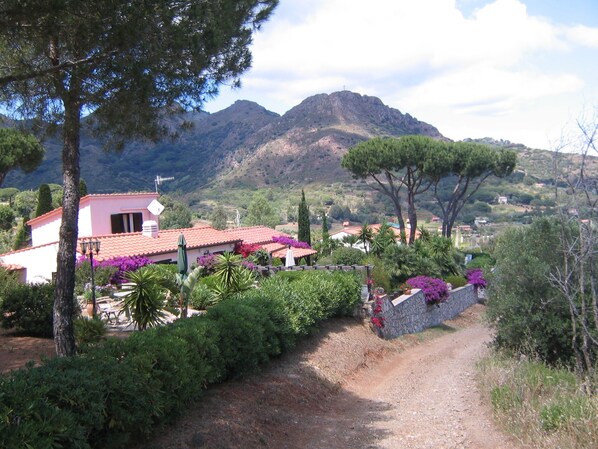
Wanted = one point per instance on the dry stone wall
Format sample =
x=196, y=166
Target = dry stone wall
x=407, y=314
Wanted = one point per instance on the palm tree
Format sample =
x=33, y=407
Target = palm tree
x=366, y=236
x=350, y=240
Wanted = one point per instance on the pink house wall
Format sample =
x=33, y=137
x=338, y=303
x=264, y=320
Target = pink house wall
x=94, y=216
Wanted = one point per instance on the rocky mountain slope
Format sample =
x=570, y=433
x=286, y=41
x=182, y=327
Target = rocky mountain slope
x=242, y=145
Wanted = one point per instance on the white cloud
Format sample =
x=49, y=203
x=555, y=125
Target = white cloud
x=423, y=56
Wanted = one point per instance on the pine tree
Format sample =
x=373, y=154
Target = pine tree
x=303, y=221
x=44, y=200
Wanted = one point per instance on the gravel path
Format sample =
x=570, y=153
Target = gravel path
x=344, y=388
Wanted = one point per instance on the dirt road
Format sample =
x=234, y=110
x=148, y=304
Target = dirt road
x=347, y=389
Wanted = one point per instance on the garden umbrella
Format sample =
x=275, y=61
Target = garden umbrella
x=182, y=266
x=289, y=259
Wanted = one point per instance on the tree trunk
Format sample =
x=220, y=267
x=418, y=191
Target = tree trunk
x=64, y=302
x=412, y=214
x=399, y=213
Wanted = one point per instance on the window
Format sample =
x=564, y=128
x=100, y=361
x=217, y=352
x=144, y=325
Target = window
x=126, y=222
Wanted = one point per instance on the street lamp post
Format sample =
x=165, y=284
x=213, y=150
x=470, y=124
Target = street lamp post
x=91, y=246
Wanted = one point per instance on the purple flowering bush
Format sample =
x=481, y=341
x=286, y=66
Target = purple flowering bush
x=435, y=290
x=284, y=240
x=123, y=266
x=475, y=277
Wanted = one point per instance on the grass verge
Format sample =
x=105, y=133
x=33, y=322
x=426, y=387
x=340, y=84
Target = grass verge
x=542, y=406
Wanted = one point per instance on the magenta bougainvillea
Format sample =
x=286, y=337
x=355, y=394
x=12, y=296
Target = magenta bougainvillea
x=124, y=265
x=377, y=320
x=246, y=249
x=288, y=241
x=435, y=290
x=475, y=277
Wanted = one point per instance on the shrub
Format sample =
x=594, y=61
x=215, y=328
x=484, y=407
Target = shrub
x=347, y=256
x=201, y=297
x=8, y=281
x=120, y=390
x=88, y=332
x=456, y=281
x=102, y=275
x=528, y=314
x=29, y=308
x=435, y=290
x=475, y=277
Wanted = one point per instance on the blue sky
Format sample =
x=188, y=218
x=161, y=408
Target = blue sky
x=521, y=70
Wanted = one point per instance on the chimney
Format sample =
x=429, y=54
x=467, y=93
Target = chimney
x=149, y=228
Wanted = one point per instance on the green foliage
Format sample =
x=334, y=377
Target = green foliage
x=101, y=275
x=456, y=281
x=22, y=236
x=44, y=200
x=231, y=276
x=82, y=188
x=201, y=297
x=528, y=314
x=28, y=308
x=218, y=218
x=89, y=331
x=384, y=238
x=176, y=214
x=25, y=203
x=145, y=300
x=8, y=281
x=7, y=218
x=261, y=212
x=347, y=256
x=18, y=150
x=481, y=260
x=304, y=227
x=123, y=389
x=544, y=406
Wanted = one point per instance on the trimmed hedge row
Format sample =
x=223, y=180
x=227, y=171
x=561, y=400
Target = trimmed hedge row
x=117, y=393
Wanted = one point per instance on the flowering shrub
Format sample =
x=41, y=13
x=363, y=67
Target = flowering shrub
x=123, y=266
x=376, y=319
x=435, y=290
x=246, y=249
x=208, y=262
x=475, y=277
x=284, y=240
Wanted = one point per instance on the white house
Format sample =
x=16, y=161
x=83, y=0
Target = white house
x=117, y=221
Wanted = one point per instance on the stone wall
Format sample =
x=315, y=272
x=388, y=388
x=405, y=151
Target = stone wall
x=408, y=314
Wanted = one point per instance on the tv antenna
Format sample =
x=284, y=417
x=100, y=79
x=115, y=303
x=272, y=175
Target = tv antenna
x=159, y=180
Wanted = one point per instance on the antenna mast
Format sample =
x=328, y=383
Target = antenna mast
x=159, y=180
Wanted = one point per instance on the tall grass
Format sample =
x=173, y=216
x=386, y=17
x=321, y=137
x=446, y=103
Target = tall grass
x=542, y=406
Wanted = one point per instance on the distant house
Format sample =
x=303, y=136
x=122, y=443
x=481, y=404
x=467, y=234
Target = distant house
x=502, y=200
x=481, y=221
x=262, y=236
x=355, y=230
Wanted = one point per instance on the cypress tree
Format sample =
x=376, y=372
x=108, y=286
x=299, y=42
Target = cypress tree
x=325, y=234
x=303, y=221
x=82, y=188
x=23, y=235
x=44, y=200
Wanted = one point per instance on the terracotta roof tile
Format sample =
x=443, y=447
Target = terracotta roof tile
x=137, y=244
x=11, y=266
x=255, y=234
x=262, y=235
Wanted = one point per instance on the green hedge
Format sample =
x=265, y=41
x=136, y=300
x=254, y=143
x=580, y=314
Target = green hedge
x=118, y=392
x=28, y=309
